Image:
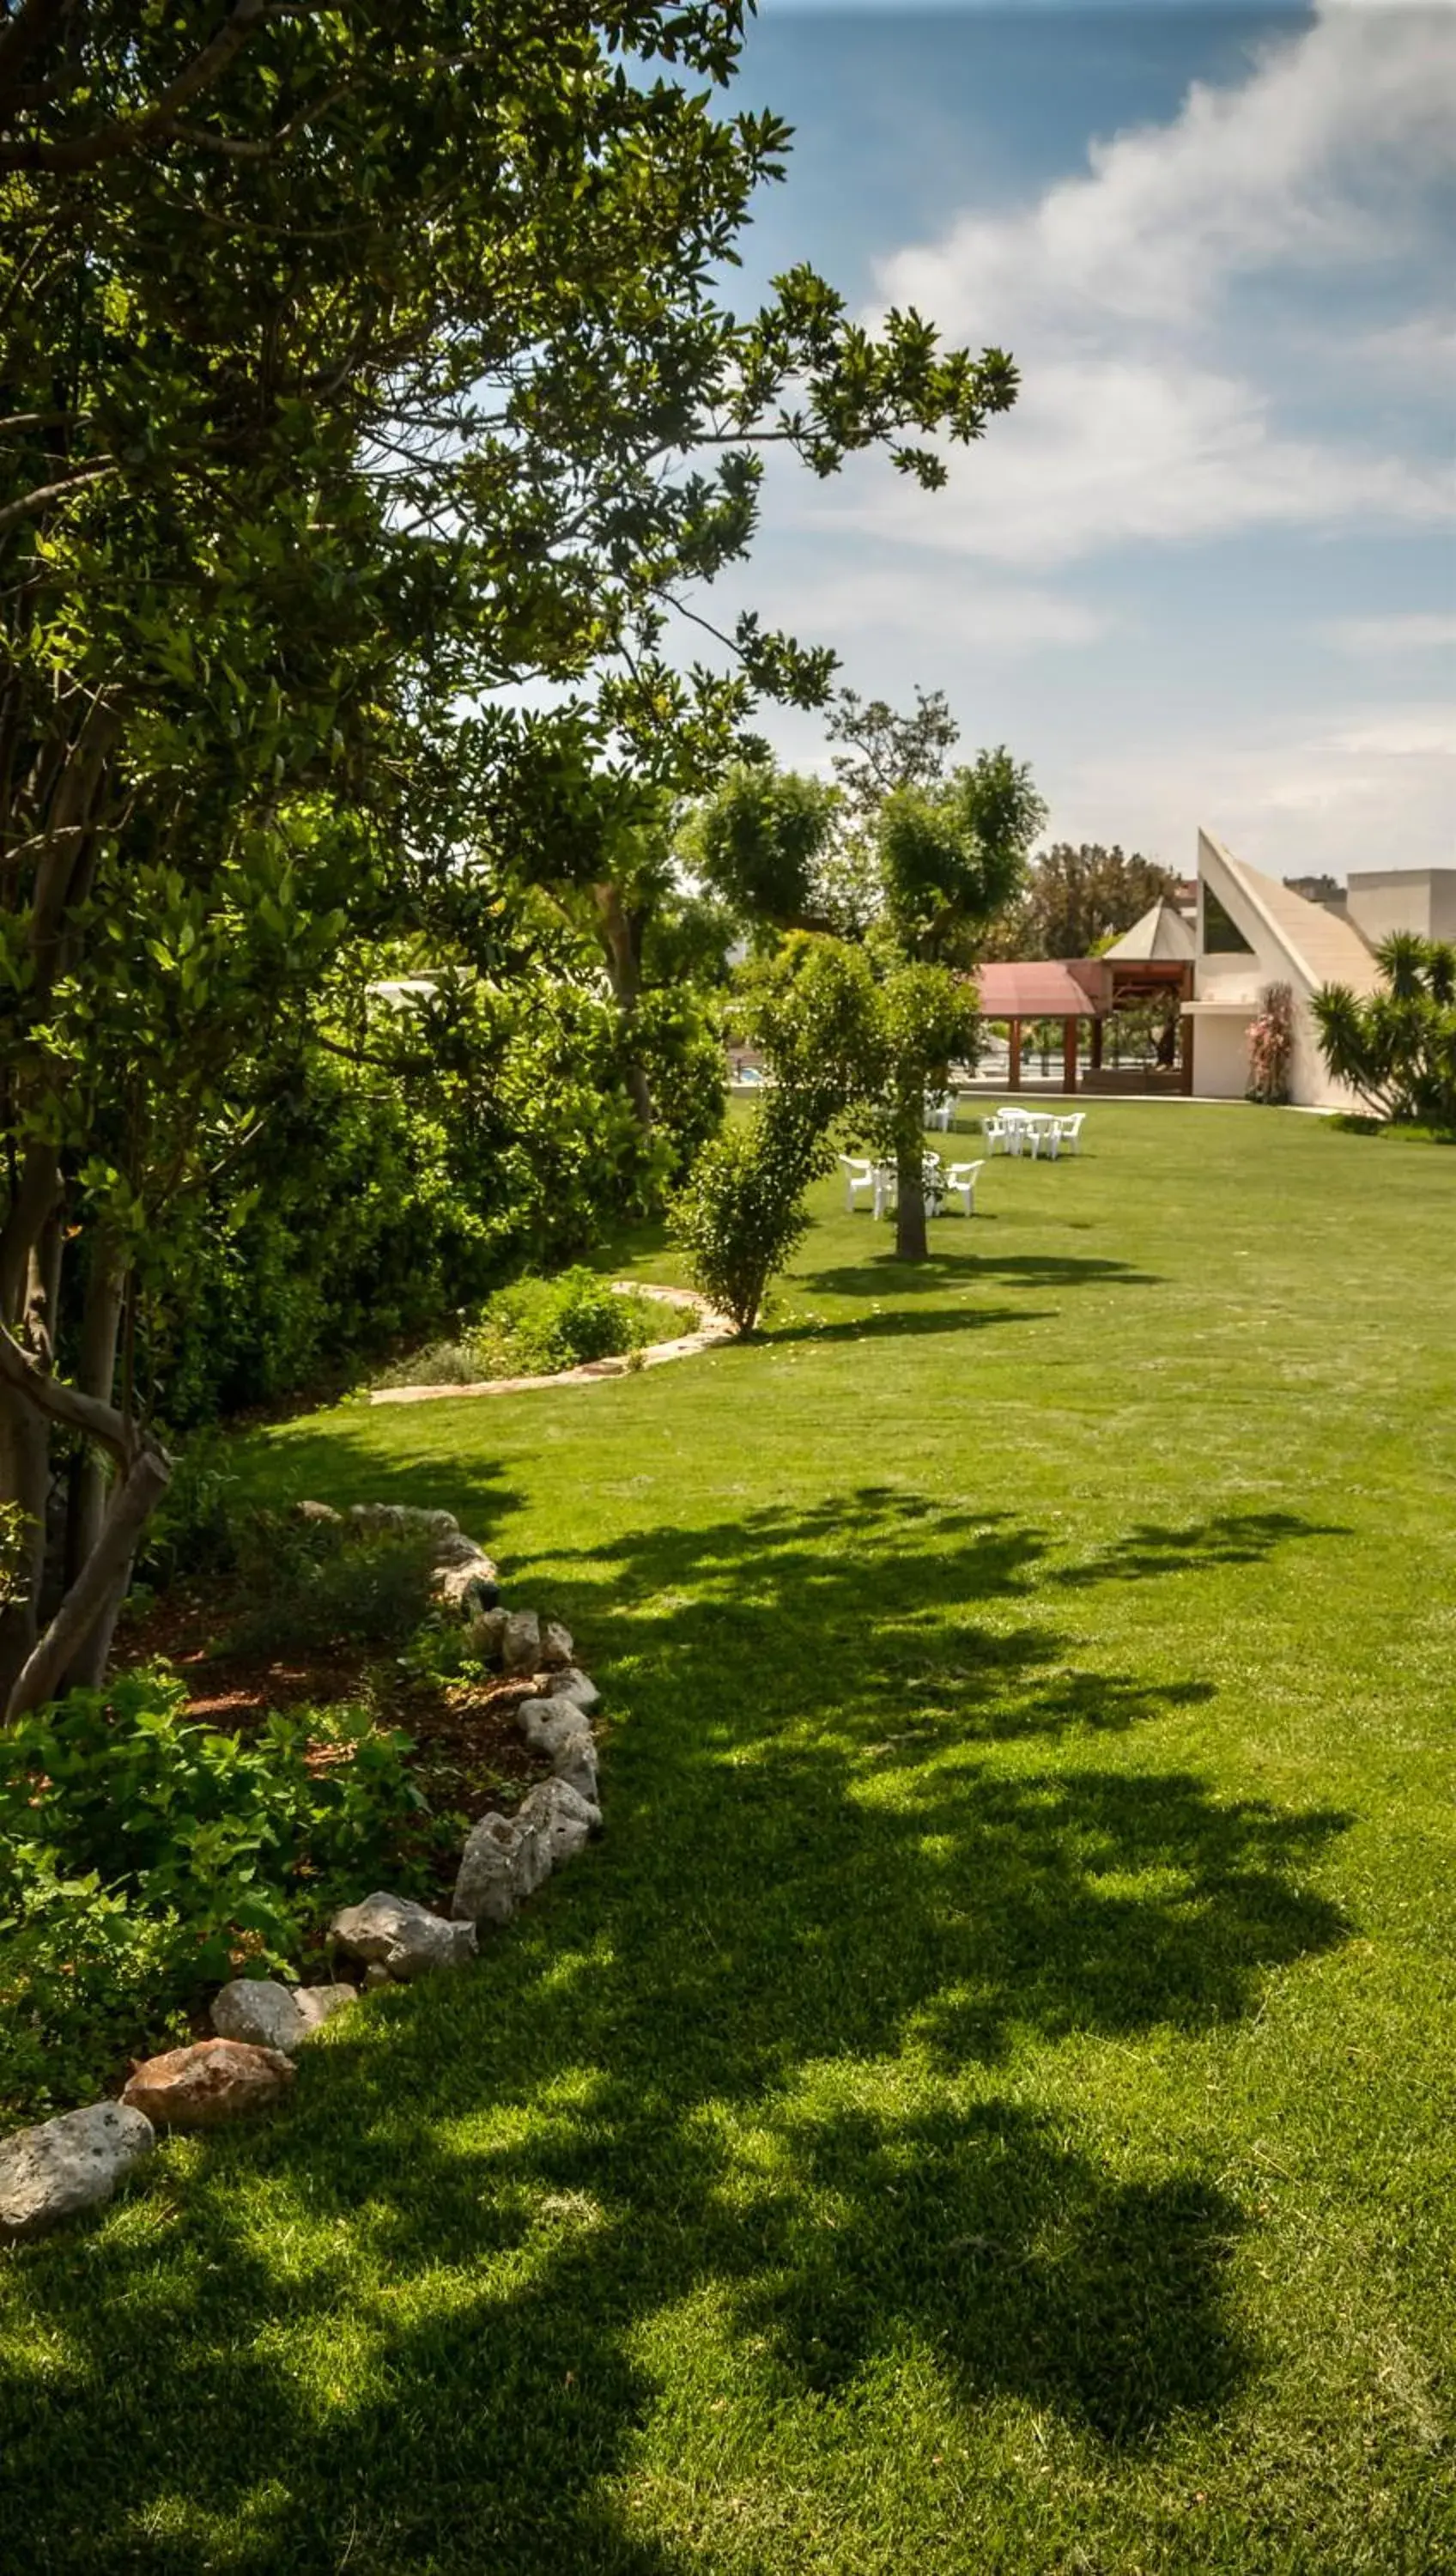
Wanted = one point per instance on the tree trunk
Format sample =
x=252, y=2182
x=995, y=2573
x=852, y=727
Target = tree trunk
x=31, y=1399
x=622, y=942
x=95, y=1597
x=910, y=1243
x=90, y=1483
x=25, y=1481
x=30, y=1261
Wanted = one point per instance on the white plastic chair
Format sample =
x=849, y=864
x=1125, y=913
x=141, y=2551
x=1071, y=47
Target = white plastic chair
x=960, y=1181
x=857, y=1176
x=932, y=1181
x=939, y=1113
x=1069, y=1132
x=997, y=1133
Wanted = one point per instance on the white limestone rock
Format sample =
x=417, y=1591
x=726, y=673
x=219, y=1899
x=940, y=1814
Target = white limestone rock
x=260, y=2011
x=504, y=1862
x=454, y=1583
x=485, y=1636
x=521, y=1642
x=575, y=1763
x=557, y=1728
x=405, y=1939
x=68, y=2164
x=575, y=1685
x=557, y=1650
x=562, y=1817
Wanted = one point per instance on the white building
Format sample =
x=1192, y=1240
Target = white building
x=1252, y=931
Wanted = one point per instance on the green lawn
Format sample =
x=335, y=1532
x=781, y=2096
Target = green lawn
x=986, y=2104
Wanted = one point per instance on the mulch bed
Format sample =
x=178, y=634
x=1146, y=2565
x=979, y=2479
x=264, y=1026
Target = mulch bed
x=468, y=1754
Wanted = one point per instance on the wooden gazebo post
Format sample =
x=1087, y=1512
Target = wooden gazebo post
x=1069, y=1054
x=1013, y=1044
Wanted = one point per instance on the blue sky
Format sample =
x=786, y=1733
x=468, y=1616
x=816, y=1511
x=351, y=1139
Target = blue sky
x=1204, y=572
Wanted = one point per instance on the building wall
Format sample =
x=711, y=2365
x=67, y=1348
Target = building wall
x=1380, y=900
x=1221, y=1045
x=1220, y=1057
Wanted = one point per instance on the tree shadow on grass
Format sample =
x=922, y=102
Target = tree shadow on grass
x=1225, y=1538
x=430, y=2303
x=899, y=1323
x=881, y=1272
x=340, y=1464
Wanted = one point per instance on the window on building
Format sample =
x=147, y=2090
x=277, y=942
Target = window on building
x=1222, y=936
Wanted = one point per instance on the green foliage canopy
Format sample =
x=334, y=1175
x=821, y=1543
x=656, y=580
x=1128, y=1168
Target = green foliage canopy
x=359, y=366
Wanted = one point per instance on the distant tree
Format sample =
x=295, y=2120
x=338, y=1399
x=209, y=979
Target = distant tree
x=882, y=751
x=1078, y=898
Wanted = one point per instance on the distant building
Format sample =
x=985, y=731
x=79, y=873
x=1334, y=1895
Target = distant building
x=1253, y=931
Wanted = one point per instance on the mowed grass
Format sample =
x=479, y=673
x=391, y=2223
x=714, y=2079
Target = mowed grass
x=986, y=2103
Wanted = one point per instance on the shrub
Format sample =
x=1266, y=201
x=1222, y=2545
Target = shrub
x=144, y=1856
x=1397, y=1047
x=543, y=1325
x=742, y=1213
x=197, y=1527
x=534, y=1329
x=85, y=1982
x=312, y=1585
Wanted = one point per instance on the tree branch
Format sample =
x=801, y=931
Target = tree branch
x=101, y=1578
x=124, y=134
x=28, y=28
x=60, y=1403
x=27, y=506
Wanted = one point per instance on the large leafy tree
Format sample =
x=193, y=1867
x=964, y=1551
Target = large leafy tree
x=359, y=366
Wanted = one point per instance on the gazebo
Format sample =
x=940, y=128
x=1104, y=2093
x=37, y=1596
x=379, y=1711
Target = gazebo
x=1151, y=962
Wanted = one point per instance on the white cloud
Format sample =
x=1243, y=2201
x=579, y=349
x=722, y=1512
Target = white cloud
x=933, y=603
x=1417, y=633
x=1103, y=451
x=1140, y=418
x=1313, y=161
x=1372, y=788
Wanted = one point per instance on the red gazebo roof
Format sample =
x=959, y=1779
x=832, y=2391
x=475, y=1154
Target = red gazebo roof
x=1037, y=988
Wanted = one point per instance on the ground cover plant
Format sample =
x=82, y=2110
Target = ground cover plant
x=145, y=1857
x=290, y=1713
x=985, y=2106
x=535, y=1328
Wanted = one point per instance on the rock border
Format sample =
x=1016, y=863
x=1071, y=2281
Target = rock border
x=62, y=2167
x=713, y=1329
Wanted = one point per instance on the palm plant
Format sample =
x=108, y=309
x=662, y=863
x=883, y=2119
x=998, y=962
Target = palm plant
x=1397, y=1048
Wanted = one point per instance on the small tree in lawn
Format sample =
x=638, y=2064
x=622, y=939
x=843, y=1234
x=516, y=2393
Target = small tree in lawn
x=910, y=856
x=946, y=859
x=927, y=1021
x=815, y=1013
